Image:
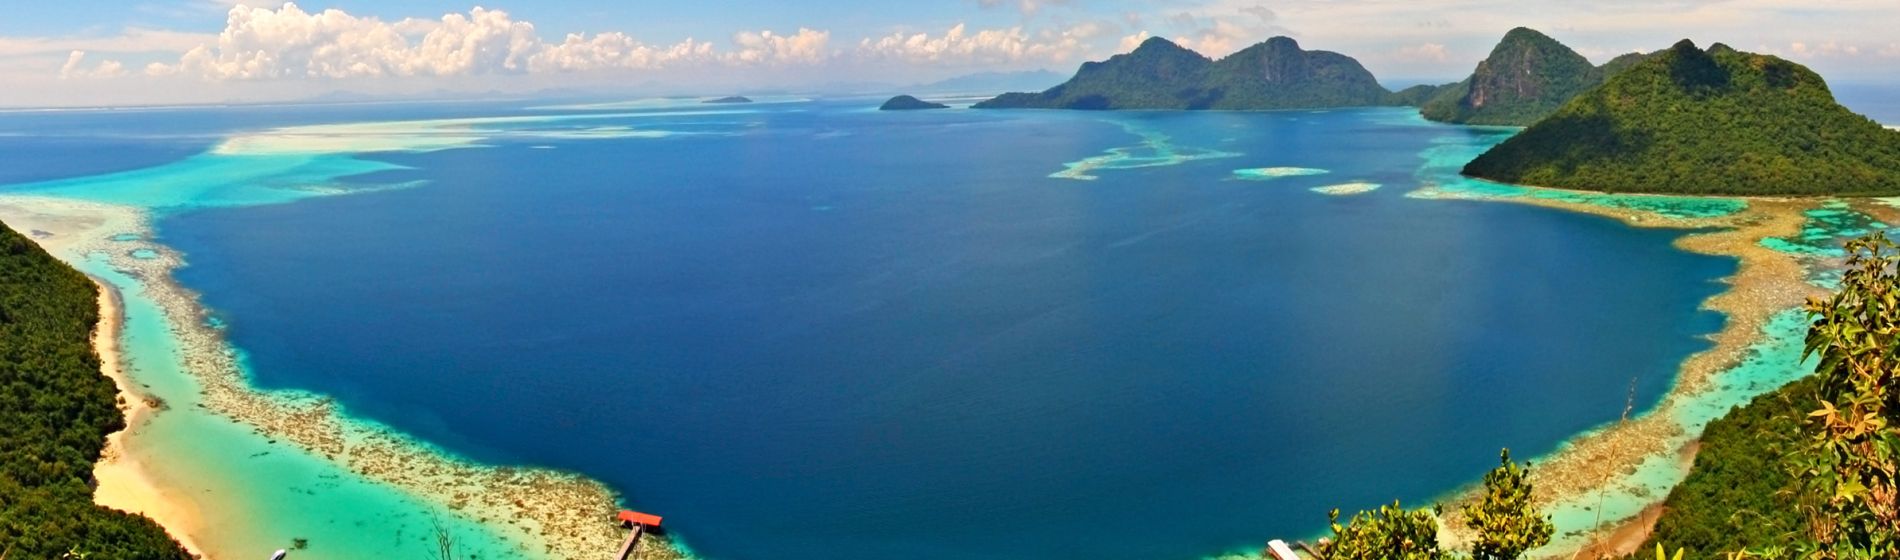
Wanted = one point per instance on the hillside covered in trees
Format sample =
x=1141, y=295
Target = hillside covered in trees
x=55, y=411
x=1714, y=122
x=1159, y=74
x=1742, y=492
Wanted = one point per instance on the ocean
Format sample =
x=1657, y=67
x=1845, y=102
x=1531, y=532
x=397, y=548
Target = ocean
x=807, y=329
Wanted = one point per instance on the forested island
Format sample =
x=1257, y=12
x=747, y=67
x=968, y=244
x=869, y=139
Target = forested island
x=908, y=103
x=1159, y=74
x=1703, y=122
x=56, y=409
x=1525, y=78
x=728, y=100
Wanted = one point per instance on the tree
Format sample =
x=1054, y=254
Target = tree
x=1853, y=465
x=1507, y=523
x=1388, y=533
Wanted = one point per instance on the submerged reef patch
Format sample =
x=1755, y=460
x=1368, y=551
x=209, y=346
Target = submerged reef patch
x=1271, y=173
x=1155, y=150
x=1345, y=189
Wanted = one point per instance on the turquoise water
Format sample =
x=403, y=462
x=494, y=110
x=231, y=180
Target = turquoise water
x=1827, y=226
x=882, y=326
x=1451, y=152
x=252, y=492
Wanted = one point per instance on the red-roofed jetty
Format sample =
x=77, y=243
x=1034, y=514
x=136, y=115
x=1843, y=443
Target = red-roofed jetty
x=637, y=523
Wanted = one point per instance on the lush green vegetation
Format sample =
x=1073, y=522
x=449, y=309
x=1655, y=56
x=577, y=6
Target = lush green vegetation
x=55, y=412
x=1526, y=77
x=1390, y=532
x=1742, y=493
x=1416, y=95
x=1851, y=471
x=1276, y=74
x=908, y=103
x=1506, y=523
x=1715, y=122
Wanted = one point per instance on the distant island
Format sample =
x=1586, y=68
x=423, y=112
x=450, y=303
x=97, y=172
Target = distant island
x=1714, y=122
x=1526, y=78
x=908, y=103
x=1415, y=95
x=1159, y=74
x=731, y=99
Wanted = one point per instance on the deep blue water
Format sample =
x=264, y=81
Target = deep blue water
x=860, y=335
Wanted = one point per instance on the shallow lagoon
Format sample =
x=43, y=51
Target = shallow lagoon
x=815, y=328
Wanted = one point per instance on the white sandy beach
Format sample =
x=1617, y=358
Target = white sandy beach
x=122, y=482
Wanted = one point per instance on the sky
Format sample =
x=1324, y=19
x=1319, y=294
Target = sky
x=144, y=52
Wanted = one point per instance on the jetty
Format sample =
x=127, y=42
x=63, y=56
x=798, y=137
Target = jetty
x=637, y=524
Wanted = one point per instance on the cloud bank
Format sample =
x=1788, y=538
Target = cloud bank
x=288, y=42
x=285, y=51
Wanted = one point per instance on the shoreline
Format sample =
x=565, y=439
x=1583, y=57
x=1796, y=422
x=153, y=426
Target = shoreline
x=120, y=480
x=545, y=513
x=567, y=510
x=1766, y=282
x=1615, y=456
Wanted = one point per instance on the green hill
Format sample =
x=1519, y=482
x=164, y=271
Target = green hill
x=1526, y=77
x=1276, y=74
x=55, y=411
x=1416, y=95
x=1715, y=122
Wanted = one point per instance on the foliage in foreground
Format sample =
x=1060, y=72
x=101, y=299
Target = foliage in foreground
x=55, y=412
x=1388, y=532
x=1853, y=466
x=1506, y=522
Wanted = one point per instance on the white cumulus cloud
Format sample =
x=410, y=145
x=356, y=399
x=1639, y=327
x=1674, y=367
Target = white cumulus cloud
x=1426, y=52
x=289, y=42
x=806, y=46
x=75, y=67
x=605, y=51
x=960, y=45
x=1130, y=42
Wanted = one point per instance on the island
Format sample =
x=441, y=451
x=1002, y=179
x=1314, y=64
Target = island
x=1527, y=76
x=728, y=100
x=1714, y=122
x=908, y=103
x=1159, y=74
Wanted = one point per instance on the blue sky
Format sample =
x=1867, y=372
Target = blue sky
x=170, y=51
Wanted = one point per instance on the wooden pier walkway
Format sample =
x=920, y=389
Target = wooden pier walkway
x=637, y=524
